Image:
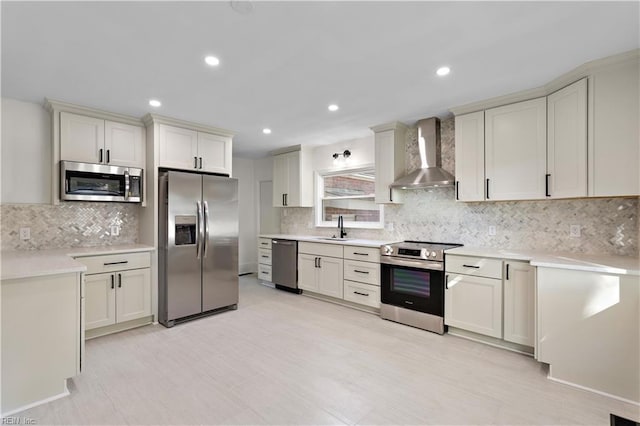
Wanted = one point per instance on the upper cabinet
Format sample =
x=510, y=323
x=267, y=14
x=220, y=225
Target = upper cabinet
x=390, y=161
x=578, y=137
x=567, y=142
x=94, y=140
x=614, y=129
x=515, y=151
x=182, y=148
x=292, y=178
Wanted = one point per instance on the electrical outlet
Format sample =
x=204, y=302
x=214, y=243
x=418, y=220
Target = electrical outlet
x=115, y=230
x=492, y=230
x=574, y=231
x=25, y=233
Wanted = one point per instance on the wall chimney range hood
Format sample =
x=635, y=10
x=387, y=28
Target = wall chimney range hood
x=431, y=174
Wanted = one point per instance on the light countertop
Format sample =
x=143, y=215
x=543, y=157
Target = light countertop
x=321, y=239
x=34, y=263
x=623, y=265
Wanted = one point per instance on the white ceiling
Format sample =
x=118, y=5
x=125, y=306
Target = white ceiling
x=285, y=62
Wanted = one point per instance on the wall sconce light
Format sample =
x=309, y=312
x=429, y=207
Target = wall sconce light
x=345, y=154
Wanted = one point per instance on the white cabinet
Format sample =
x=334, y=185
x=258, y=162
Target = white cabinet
x=320, y=269
x=94, y=140
x=567, y=141
x=264, y=259
x=469, y=153
x=614, y=136
x=293, y=179
x=390, y=161
x=187, y=149
x=118, y=291
x=519, y=303
x=474, y=303
x=515, y=151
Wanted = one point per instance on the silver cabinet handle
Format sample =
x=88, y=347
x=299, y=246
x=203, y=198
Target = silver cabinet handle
x=206, y=229
x=360, y=272
x=198, y=230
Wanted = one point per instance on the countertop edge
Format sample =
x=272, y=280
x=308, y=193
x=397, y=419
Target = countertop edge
x=319, y=239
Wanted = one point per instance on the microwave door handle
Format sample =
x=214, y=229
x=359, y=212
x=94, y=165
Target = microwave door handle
x=127, y=185
x=198, y=229
x=205, y=241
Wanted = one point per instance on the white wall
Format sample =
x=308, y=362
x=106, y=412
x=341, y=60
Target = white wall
x=362, y=153
x=26, y=153
x=243, y=171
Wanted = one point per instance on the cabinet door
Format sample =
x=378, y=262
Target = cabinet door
x=469, y=137
x=331, y=277
x=133, y=295
x=519, y=303
x=516, y=150
x=567, y=141
x=388, y=167
x=292, y=198
x=215, y=152
x=99, y=300
x=474, y=304
x=308, y=272
x=81, y=138
x=124, y=144
x=280, y=179
x=178, y=147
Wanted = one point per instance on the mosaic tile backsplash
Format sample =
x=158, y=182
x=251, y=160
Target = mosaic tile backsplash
x=71, y=224
x=608, y=225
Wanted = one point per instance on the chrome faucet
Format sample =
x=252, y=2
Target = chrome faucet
x=343, y=233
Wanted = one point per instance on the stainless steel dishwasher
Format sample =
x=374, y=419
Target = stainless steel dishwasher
x=284, y=265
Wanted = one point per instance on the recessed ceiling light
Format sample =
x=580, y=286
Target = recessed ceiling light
x=333, y=107
x=155, y=103
x=212, y=61
x=266, y=131
x=442, y=71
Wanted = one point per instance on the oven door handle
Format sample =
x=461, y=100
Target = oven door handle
x=410, y=263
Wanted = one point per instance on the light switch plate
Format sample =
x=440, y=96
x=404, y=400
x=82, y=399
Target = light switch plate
x=492, y=230
x=25, y=233
x=574, y=231
x=115, y=230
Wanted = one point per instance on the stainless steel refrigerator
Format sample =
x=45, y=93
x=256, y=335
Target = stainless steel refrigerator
x=198, y=245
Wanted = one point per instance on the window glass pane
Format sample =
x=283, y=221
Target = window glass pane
x=351, y=209
x=352, y=184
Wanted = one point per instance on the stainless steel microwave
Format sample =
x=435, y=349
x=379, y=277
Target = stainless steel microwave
x=98, y=182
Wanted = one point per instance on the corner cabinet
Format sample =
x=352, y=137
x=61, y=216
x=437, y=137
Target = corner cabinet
x=389, y=161
x=292, y=177
x=186, y=149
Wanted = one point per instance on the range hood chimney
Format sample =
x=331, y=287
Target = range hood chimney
x=431, y=174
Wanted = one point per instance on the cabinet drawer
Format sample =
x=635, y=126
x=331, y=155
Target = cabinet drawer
x=363, y=294
x=264, y=256
x=367, y=254
x=331, y=250
x=478, y=266
x=364, y=272
x=264, y=272
x=115, y=262
x=264, y=243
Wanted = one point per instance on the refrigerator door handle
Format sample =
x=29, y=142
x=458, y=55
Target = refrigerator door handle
x=199, y=229
x=205, y=221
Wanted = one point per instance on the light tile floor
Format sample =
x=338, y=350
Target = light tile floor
x=288, y=359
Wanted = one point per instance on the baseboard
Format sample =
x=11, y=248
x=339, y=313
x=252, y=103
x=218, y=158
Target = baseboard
x=116, y=328
x=246, y=268
x=341, y=302
x=608, y=395
x=491, y=341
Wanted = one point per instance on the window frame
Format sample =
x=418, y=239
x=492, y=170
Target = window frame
x=319, y=192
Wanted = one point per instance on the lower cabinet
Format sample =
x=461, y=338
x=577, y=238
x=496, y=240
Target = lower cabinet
x=321, y=274
x=119, y=296
x=519, y=303
x=474, y=304
x=264, y=259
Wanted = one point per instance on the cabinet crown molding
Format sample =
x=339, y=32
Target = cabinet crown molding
x=53, y=105
x=585, y=70
x=287, y=149
x=394, y=125
x=149, y=119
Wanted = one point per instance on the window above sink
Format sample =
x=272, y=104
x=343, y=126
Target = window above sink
x=351, y=194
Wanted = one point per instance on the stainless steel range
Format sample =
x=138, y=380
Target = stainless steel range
x=412, y=284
